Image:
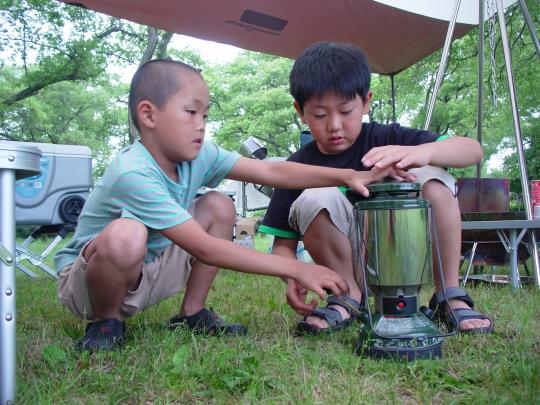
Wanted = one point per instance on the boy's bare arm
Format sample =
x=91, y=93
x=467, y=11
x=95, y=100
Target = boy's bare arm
x=457, y=151
x=292, y=175
x=223, y=253
x=296, y=294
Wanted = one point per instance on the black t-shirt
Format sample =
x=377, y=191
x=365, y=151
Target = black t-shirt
x=276, y=221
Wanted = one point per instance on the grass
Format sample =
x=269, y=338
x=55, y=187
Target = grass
x=271, y=364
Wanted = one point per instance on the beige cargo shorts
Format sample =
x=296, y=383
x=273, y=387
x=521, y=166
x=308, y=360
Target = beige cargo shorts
x=165, y=276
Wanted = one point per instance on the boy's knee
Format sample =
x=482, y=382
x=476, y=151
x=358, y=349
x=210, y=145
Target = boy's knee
x=326, y=203
x=123, y=240
x=435, y=190
x=442, y=199
x=318, y=198
x=219, y=205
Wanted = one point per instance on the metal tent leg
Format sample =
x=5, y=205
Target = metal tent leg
x=442, y=64
x=517, y=129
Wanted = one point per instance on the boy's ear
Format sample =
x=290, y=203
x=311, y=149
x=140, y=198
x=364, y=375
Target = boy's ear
x=369, y=96
x=299, y=111
x=146, y=113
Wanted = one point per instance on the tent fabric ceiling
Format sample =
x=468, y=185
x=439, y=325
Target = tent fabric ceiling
x=392, y=38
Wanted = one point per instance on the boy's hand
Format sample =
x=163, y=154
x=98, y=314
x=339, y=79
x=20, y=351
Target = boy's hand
x=316, y=278
x=296, y=298
x=360, y=179
x=398, y=156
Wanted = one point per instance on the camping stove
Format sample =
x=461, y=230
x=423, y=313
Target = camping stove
x=393, y=232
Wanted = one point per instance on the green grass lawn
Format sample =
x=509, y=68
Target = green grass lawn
x=271, y=364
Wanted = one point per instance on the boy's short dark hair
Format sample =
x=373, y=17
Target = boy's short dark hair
x=155, y=81
x=330, y=66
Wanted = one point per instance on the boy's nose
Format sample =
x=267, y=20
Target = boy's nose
x=201, y=124
x=334, y=123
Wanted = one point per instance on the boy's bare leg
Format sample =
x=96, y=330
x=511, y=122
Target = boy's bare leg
x=215, y=212
x=448, y=225
x=331, y=248
x=115, y=258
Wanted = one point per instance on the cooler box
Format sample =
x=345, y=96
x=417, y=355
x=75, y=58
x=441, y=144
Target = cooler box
x=57, y=194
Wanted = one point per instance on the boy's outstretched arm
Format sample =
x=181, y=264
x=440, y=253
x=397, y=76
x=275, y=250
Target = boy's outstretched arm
x=299, y=176
x=213, y=251
x=457, y=151
x=296, y=294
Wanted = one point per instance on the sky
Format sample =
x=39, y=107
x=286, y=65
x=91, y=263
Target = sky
x=211, y=52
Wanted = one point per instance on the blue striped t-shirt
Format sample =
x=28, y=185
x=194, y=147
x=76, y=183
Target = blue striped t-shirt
x=134, y=186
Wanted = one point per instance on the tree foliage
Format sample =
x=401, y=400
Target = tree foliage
x=250, y=97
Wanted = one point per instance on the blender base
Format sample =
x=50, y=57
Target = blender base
x=399, y=353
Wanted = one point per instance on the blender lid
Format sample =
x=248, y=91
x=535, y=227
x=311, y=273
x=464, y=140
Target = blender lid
x=393, y=188
x=389, y=195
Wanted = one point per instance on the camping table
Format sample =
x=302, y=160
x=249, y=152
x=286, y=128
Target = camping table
x=17, y=161
x=510, y=241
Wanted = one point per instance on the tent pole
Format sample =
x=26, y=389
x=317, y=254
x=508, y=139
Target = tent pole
x=528, y=20
x=480, y=97
x=393, y=88
x=442, y=64
x=517, y=129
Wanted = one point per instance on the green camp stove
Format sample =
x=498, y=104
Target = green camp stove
x=393, y=232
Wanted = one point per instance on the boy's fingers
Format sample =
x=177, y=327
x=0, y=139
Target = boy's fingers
x=409, y=176
x=363, y=190
x=300, y=306
x=336, y=288
x=343, y=286
x=320, y=292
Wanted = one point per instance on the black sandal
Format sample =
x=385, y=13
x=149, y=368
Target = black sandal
x=331, y=315
x=206, y=322
x=437, y=305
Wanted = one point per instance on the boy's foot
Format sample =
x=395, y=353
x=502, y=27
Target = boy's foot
x=106, y=334
x=466, y=320
x=206, y=322
x=338, y=314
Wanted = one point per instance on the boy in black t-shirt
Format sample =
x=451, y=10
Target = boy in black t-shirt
x=330, y=86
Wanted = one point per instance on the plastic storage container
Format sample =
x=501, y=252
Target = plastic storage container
x=57, y=194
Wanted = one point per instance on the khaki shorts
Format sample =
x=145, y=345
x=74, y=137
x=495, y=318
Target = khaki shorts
x=306, y=207
x=162, y=278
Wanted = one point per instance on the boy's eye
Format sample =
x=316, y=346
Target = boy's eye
x=191, y=112
x=346, y=112
x=319, y=115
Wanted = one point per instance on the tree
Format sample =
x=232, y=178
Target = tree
x=54, y=83
x=250, y=97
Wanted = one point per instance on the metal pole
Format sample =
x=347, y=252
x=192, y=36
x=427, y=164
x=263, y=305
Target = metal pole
x=393, y=97
x=528, y=21
x=7, y=287
x=442, y=64
x=480, y=99
x=517, y=129
x=244, y=199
